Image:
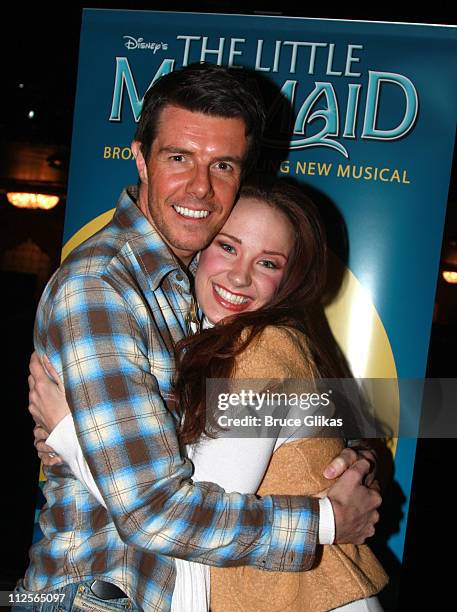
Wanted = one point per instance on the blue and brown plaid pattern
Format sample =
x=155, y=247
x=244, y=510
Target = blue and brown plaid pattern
x=108, y=321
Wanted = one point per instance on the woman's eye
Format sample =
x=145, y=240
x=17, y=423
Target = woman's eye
x=266, y=263
x=227, y=247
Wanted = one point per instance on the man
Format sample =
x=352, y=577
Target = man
x=108, y=320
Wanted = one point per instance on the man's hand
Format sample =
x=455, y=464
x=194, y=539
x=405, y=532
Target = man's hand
x=347, y=458
x=354, y=505
x=45, y=453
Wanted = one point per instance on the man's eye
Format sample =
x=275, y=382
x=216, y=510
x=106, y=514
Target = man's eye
x=224, y=166
x=177, y=157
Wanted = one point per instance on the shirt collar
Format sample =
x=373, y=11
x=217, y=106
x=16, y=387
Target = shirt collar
x=153, y=254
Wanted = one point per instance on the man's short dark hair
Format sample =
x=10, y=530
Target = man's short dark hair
x=209, y=89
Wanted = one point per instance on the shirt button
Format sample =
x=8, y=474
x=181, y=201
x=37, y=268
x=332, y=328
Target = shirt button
x=179, y=277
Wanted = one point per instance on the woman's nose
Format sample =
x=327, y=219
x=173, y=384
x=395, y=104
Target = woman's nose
x=240, y=274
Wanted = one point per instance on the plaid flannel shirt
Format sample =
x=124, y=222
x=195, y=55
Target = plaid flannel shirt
x=108, y=321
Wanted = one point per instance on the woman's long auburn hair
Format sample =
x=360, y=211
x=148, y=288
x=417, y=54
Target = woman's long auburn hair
x=212, y=352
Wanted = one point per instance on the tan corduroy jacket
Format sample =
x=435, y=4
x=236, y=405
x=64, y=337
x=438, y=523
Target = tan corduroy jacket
x=341, y=572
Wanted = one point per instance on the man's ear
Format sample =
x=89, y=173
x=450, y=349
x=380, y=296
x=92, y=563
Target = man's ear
x=140, y=161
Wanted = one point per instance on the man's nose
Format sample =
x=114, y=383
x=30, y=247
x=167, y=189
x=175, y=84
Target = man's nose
x=240, y=274
x=200, y=184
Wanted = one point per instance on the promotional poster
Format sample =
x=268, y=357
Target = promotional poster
x=361, y=114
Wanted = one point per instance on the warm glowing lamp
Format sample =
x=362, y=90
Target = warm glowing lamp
x=450, y=276
x=32, y=200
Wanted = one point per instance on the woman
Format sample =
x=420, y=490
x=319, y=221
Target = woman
x=254, y=284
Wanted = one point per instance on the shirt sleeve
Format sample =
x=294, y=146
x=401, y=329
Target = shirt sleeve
x=64, y=441
x=128, y=437
x=326, y=521
x=228, y=461
x=243, y=475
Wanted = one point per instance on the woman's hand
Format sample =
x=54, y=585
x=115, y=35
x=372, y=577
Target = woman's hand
x=47, y=403
x=45, y=453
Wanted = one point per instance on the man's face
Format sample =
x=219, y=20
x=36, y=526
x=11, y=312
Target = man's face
x=192, y=176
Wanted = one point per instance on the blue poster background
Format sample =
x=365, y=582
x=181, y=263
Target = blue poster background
x=397, y=74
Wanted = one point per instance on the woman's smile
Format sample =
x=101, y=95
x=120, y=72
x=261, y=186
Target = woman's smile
x=228, y=299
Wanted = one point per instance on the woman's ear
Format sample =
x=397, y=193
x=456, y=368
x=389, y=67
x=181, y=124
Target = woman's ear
x=140, y=161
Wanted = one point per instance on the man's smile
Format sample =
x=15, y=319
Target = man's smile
x=189, y=213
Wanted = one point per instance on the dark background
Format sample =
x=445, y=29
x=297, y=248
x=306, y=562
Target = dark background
x=39, y=50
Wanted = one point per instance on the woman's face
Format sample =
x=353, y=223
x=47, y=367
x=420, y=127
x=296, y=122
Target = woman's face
x=242, y=268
